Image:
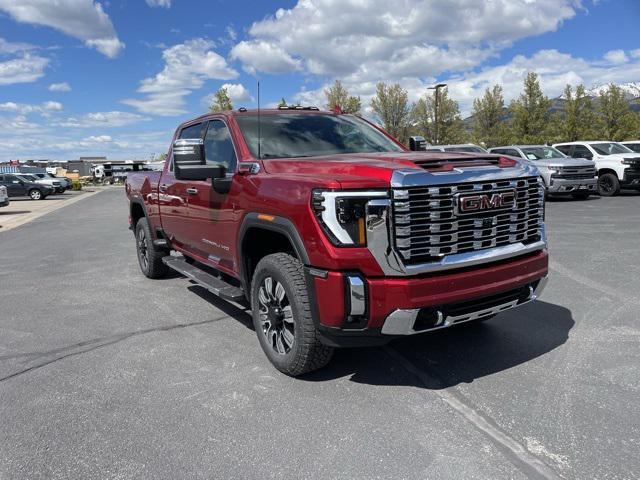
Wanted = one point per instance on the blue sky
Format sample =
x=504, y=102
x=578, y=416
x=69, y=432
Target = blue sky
x=82, y=77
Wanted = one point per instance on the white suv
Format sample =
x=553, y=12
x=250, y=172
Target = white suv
x=618, y=167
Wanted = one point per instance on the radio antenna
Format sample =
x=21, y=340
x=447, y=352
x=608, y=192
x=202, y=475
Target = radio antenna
x=259, y=124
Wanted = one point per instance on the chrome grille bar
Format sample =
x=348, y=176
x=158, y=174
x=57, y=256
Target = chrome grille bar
x=426, y=228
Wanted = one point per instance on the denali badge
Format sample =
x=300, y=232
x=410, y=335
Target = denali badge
x=486, y=201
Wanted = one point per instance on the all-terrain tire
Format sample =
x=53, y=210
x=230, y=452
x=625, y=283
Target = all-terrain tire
x=608, y=185
x=306, y=353
x=149, y=256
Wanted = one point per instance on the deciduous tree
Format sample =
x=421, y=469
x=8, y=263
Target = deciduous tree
x=391, y=105
x=338, y=96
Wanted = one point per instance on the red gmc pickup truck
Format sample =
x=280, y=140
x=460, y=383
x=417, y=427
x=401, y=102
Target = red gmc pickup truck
x=334, y=233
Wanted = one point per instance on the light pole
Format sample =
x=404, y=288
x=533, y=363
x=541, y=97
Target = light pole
x=435, y=113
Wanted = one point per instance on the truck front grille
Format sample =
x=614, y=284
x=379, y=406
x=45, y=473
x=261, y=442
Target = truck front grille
x=427, y=227
x=576, y=173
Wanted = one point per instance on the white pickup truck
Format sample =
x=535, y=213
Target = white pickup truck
x=618, y=166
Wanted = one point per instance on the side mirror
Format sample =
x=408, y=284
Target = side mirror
x=189, y=161
x=417, y=143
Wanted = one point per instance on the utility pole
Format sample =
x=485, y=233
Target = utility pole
x=435, y=113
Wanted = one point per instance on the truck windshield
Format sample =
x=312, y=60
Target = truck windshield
x=310, y=135
x=610, y=148
x=540, y=153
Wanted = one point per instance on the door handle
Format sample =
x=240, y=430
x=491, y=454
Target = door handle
x=163, y=188
x=192, y=191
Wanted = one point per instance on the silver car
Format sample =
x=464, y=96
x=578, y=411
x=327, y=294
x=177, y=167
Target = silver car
x=562, y=175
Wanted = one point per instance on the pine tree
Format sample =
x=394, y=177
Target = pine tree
x=488, y=118
x=530, y=113
x=618, y=122
x=579, y=120
x=338, y=96
x=221, y=101
x=391, y=105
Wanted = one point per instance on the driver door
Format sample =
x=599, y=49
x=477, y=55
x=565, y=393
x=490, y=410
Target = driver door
x=211, y=208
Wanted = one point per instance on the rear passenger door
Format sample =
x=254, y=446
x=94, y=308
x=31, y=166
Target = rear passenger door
x=211, y=208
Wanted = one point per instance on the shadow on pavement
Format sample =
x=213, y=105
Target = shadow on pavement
x=447, y=357
x=15, y=212
x=460, y=354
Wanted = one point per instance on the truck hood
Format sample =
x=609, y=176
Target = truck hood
x=564, y=162
x=359, y=166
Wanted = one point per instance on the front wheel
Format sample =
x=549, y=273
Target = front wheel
x=608, y=185
x=149, y=256
x=282, y=316
x=35, y=194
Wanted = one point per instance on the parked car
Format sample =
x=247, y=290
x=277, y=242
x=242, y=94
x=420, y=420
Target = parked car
x=20, y=187
x=343, y=239
x=562, y=175
x=618, y=167
x=4, y=196
x=65, y=183
x=633, y=145
x=31, y=177
x=463, y=147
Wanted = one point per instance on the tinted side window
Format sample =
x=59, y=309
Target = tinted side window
x=218, y=146
x=634, y=146
x=193, y=131
x=580, y=151
x=497, y=151
x=564, y=149
x=512, y=152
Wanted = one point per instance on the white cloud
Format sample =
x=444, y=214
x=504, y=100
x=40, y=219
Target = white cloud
x=59, y=87
x=159, y=3
x=102, y=119
x=555, y=70
x=44, y=108
x=9, y=47
x=264, y=57
x=616, y=56
x=25, y=69
x=366, y=39
x=99, y=139
x=236, y=91
x=635, y=53
x=187, y=66
x=82, y=19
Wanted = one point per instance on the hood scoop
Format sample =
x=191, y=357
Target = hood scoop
x=451, y=162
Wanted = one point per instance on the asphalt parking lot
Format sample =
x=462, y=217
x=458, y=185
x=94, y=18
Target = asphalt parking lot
x=106, y=374
x=22, y=210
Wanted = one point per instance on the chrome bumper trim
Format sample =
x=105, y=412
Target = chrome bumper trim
x=356, y=295
x=402, y=321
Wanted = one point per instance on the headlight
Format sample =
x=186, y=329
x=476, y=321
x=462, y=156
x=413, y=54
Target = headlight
x=555, y=169
x=342, y=215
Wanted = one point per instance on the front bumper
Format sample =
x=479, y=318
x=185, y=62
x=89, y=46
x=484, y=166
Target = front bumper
x=567, y=186
x=390, y=306
x=5, y=202
x=631, y=178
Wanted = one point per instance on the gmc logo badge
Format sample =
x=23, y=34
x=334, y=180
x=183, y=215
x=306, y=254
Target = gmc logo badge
x=486, y=201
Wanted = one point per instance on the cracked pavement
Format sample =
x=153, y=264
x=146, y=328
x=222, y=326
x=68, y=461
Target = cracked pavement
x=106, y=374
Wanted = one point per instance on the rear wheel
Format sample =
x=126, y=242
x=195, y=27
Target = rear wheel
x=149, y=256
x=35, y=194
x=282, y=316
x=608, y=185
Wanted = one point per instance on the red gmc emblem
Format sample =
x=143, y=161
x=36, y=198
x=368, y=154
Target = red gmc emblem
x=486, y=201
